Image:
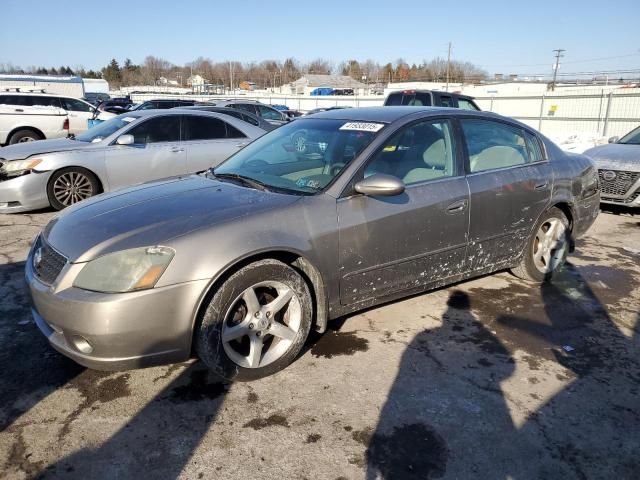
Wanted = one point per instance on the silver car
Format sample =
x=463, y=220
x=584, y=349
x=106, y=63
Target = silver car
x=238, y=264
x=131, y=148
x=619, y=169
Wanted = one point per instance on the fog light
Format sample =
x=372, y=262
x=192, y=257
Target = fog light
x=81, y=344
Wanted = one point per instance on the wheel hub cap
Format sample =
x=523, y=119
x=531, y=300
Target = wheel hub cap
x=261, y=324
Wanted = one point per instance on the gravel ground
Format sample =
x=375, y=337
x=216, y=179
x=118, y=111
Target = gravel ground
x=470, y=381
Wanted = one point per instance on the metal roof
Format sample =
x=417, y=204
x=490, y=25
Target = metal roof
x=331, y=81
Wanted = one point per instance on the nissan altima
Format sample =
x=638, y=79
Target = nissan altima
x=125, y=150
x=240, y=263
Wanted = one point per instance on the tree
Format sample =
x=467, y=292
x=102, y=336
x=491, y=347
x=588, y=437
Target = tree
x=153, y=68
x=319, y=66
x=111, y=73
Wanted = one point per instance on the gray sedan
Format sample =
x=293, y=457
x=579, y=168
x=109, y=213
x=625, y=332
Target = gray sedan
x=619, y=169
x=240, y=263
x=131, y=148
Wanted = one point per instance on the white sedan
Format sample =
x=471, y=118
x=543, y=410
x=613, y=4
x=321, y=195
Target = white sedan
x=128, y=149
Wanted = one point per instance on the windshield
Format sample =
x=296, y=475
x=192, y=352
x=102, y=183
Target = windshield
x=303, y=156
x=631, y=138
x=104, y=129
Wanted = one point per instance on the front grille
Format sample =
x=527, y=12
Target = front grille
x=47, y=263
x=620, y=185
x=623, y=201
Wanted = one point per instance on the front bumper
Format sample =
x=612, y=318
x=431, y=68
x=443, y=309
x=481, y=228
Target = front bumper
x=24, y=193
x=115, y=331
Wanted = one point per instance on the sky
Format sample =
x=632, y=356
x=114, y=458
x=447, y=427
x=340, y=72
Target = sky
x=500, y=36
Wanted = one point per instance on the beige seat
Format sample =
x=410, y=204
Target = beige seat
x=435, y=164
x=499, y=156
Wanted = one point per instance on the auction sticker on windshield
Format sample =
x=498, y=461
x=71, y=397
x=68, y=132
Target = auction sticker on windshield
x=362, y=126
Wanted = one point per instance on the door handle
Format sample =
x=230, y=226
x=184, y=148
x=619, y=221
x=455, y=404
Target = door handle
x=456, y=207
x=244, y=144
x=541, y=186
x=177, y=149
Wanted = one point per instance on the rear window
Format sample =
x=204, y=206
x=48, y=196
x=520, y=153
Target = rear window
x=465, y=104
x=412, y=99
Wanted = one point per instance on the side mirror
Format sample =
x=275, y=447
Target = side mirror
x=125, y=140
x=614, y=139
x=380, y=185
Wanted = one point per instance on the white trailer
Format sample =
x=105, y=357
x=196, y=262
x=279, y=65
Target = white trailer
x=95, y=85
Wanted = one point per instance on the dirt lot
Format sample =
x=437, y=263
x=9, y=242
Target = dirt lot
x=470, y=381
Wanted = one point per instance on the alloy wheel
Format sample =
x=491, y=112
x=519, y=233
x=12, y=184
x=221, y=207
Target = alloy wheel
x=72, y=187
x=550, y=245
x=261, y=324
x=26, y=139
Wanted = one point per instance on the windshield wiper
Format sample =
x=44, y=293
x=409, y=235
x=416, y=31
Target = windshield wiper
x=248, y=181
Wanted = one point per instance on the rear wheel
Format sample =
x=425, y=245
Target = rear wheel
x=23, y=136
x=547, y=249
x=71, y=185
x=256, y=322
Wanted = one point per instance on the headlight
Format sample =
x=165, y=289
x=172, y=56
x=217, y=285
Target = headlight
x=18, y=166
x=125, y=271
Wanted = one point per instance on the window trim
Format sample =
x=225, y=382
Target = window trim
x=348, y=190
x=467, y=159
x=147, y=119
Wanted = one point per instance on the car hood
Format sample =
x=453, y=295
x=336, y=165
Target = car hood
x=20, y=151
x=153, y=213
x=616, y=156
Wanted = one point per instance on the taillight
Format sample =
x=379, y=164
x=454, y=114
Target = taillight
x=409, y=92
x=65, y=125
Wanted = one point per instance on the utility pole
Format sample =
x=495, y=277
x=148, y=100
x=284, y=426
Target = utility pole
x=559, y=55
x=230, y=77
x=448, y=66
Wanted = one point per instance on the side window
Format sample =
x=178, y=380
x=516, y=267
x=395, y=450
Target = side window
x=12, y=100
x=204, y=128
x=74, y=105
x=147, y=106
x=465, y=104
x=249, y=119
x=156, y=130
x=446, y=101
x=233, y=132
x=493, y=145
x=269, y=113
x=535, y=150
x=245, y=106
x=420, y=152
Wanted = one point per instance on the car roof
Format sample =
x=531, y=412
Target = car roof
x=426, y=90
x=391, y=114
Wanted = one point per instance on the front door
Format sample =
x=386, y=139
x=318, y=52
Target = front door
x=510, y=184
x=417, y=238
x=156, y=153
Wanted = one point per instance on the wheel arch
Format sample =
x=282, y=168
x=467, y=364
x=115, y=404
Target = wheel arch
x=294, y=259
x=92, y=172
x=30, y=128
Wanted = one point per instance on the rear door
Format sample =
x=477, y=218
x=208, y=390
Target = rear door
x=156, y=153
x=209, y=140
x=510, y=184
x=407, y=241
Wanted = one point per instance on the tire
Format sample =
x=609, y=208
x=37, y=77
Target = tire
x=68, y=186
x=22, y=136
x=233, y=327
x=541, y=262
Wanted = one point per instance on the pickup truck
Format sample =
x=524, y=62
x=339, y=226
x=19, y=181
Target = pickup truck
x=25, y=124
x=430, y=98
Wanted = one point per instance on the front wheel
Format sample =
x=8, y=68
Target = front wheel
x=256, y=322
x=71, y=185
x=547, y=248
